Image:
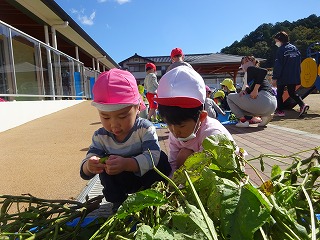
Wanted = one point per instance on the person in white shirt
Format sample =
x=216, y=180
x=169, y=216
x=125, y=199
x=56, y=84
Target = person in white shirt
x=151, y=86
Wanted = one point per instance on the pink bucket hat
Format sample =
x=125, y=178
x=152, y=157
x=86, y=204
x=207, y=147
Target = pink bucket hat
x=182, y=87
x=116, y=89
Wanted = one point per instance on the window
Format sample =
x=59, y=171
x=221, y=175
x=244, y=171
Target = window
x=134, y=68
x=26, y=69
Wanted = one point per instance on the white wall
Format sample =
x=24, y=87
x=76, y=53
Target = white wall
x=13, y=114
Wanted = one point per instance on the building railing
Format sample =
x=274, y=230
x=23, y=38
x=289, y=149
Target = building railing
x=33, y=70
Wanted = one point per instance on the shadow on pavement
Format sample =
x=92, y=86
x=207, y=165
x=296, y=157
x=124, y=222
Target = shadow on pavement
x=238, y=130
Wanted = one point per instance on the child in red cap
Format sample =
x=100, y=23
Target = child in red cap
x=177, y=58
x=125, y=138
x=151, y=86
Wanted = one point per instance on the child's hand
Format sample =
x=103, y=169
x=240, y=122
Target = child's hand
x=94, y=166
x=183, y=154
x=117, y=164
x=254, y=94
x=242, y=92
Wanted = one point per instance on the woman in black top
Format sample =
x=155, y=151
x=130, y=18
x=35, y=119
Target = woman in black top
x=257, y=99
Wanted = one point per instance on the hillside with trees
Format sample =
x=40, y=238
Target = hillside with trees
x=260, y=42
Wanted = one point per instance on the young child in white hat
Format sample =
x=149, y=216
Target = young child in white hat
x=181, y=98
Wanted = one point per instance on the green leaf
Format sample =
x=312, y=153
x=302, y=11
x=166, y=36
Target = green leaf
x=189, y=221
x=144, y=232
x=276, y=170
x=288, y=224
x=234, y=206
x=141, y=200
x=194, y=165
x=222, y=149
x=224, y=195
x=252, y=211
x=315, y=170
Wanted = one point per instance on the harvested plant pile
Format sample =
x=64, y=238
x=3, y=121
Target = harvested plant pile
x=210, y=197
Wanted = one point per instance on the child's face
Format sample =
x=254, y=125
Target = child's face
x=119, y=122
x=224, y=88
x=183, y=130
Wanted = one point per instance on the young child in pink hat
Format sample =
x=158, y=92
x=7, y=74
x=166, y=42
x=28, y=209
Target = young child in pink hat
x=181, y=99
x=125, y=138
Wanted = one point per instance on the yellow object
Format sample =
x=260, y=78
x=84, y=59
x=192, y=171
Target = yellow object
x=219, y=93
x=319, y=70
x=141, y=89
x=308, y=72
x=229, y=84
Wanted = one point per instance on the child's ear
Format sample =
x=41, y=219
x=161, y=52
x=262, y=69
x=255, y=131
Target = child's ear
x=203, y=115
x=138, y=109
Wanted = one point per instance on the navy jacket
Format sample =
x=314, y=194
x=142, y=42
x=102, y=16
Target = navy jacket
x=287, y=65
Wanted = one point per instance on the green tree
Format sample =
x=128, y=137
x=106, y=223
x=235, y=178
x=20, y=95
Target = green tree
x=260, y=42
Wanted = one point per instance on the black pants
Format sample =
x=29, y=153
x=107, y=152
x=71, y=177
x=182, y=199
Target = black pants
x=291, y=88
x=117, y=187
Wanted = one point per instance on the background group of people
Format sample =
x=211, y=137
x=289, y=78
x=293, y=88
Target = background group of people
x=258, y=98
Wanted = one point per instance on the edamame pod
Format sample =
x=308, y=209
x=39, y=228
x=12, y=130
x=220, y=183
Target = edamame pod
x=103, y=159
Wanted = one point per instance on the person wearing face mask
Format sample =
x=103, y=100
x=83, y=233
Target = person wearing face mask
x=181, y=98
x=257, y=99
x=286, y=72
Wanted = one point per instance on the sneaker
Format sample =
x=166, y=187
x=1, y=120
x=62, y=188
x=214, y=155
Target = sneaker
x=280, y=113
x=265, y=120
x=304, y=109
x=115, y=206
x=255, y=120
x=243, y=119
x=242, y=124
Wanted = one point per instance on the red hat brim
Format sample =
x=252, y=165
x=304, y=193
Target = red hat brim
x=183, y=102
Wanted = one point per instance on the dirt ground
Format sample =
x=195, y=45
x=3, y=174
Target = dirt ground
x=42, y=157
x=308, y=123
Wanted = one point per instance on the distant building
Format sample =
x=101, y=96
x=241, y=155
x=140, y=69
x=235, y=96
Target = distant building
x=213, y=67
x=45, y=54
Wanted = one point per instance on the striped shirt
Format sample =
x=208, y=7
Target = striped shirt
x=140, y=140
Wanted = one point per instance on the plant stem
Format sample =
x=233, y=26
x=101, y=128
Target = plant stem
x=168, y=179
x=212, y=231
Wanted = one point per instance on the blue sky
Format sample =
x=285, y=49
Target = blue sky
x=153, y=28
